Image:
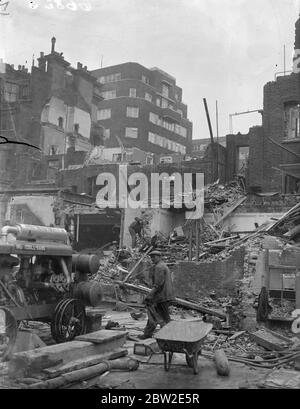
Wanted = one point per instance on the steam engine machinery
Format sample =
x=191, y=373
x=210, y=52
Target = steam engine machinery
x=42, y=280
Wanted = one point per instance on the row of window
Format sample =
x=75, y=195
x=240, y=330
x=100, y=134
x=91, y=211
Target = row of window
x=133, y=112
x=109, y=78
x=116, y=77
x=12, y=92
x=171, y=126
x=161, y=102
x=166, y=143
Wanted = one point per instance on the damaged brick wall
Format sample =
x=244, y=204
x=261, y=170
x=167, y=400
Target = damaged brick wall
x=194, y=280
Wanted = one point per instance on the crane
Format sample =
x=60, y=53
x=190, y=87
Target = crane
x=240, y=113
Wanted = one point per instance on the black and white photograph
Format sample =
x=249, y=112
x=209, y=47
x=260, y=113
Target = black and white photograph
x=149, y=197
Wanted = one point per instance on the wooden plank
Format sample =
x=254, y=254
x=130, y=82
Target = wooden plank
x=84, y=362
x=102, y=336
x=34, y=361
x=178, y=301
x=86, y=373
x=232, y=209
x=137, y=264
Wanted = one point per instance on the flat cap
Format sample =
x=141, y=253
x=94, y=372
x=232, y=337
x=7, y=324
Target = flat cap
x=155, y=253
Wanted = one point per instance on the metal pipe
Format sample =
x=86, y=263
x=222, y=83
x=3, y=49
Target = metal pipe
x=9, y=229
x=65, y=271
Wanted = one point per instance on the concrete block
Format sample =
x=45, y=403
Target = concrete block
x=270, y=340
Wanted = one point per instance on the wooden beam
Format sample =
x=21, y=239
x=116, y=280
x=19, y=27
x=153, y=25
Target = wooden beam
x=235, y=206
x=178, y=301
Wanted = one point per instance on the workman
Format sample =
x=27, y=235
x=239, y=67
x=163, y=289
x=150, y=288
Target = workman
x=135, y=229
x=160, y=296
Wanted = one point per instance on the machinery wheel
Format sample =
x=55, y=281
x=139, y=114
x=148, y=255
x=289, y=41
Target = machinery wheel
x=54, y=321
x=69, y=320
x=8, y=333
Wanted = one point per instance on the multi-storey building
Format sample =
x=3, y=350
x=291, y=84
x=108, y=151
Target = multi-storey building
x=143, y=108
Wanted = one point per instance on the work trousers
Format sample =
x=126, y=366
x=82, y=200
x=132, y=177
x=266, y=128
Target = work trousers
x=157, y=314
x=133, y=237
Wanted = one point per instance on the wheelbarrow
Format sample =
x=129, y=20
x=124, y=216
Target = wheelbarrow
x=183, y=337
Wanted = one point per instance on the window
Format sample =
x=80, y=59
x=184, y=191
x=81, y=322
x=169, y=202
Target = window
x=91, y=186
x=148, y=97
x=176, y=96
x=166, y=143
x=53, y=150
x=53, y=164
x=164, y=103
x=149, y=160
x=145, y=79
x=180, y=112
x=76, y=128
x=131, y=132
x=291, y=120
x=109, y=78
x=180, y=130
x=61, y=122
x=117, y=157
x=132, y=112
x=154, y=118
x=166, y=159
x=109, y=94
x=242, y=158
x=10, y=92
x=158, y=102
x=107, y=133
x=103, y=114
x=132, y=92
x=165, y=91
x=25, y=92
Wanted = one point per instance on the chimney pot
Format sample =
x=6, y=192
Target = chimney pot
x=53, y=41
x=85, y=68
x=79, y=66
x=19, y=67
x=42, y=54
x=12, y=65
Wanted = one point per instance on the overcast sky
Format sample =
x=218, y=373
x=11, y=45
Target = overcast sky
x=223, y=50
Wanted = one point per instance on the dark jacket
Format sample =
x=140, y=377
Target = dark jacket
x=162, y=285
x=137, y=227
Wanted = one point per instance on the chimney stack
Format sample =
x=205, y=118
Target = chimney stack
x=53, y=41
x=85, y=68
x=296, y=58
x=19, y=67
x=79, y=66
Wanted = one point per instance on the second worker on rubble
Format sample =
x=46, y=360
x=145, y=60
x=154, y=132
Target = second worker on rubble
x=157, y=301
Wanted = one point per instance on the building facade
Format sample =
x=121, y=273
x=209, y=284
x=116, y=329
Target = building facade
x=143, y=108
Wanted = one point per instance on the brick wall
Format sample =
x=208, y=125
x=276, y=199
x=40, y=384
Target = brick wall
x=276, y=94
x=194, y=280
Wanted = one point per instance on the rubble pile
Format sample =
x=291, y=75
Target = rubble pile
x=217, y=194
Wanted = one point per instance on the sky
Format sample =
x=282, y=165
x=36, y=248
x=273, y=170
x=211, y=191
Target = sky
x=221, y=50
